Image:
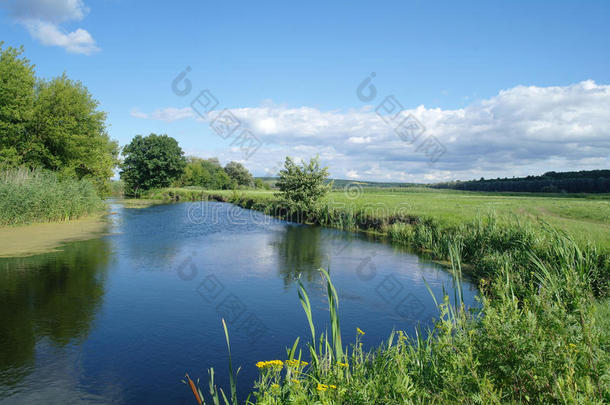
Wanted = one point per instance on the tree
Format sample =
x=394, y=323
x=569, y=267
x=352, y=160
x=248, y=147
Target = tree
x=239, y=173
x=206, y=173
x=195, y=173
x=68, y=133
x=303, y=185
x=220, y=179
x=17, y=82
x=150, y=162
x=52, y=124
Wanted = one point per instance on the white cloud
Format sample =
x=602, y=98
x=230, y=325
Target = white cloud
x=267, y=126
x=352, y=174
x=169, y=114
x=55, y=11
x=138, y=114
x=42, y=18
x=359, y=139
x=79, y=41
x=520, y=131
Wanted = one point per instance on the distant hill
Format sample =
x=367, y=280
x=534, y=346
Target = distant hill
x=584, y=181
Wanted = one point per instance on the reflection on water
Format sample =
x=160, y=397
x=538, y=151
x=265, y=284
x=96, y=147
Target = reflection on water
x=53, y=296
x=121, y=318
x=300, y=252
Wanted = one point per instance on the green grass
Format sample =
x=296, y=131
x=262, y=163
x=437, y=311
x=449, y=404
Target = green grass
x=583, y=218
x=30, y=196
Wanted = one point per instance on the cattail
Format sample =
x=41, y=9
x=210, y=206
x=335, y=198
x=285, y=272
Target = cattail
x=194, y=389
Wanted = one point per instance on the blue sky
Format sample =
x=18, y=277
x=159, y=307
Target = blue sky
x=505, y=88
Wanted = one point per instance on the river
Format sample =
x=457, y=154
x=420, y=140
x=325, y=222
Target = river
x=122, y=317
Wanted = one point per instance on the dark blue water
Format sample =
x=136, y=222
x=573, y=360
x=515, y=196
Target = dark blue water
x=121, y=318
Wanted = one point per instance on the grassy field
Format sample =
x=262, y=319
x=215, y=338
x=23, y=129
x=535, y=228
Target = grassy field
x=583, y=218
x=586, y=218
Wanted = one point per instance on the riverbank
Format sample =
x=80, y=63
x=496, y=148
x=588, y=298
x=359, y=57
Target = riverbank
x=27, y=240
x=585, y=219
x=487, y=228
x=543, y=269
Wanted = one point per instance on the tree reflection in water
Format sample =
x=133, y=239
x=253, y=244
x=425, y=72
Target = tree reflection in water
x=53, y=296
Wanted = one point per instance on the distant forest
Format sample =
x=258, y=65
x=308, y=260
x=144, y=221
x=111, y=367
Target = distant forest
x=584, y=181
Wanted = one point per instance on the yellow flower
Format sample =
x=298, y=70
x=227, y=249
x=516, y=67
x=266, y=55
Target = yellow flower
x=342, y=364
x=275, y=386
x=271, y=363
x=296, y=363
x=333, y=386
x=359, y=331
x=322, y=387
x=294, y=380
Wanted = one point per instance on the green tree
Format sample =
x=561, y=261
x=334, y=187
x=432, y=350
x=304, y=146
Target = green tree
x=68, y=133
x=195, y=173
x=222, y=181
x=303, y=185
x=52, y=124
x=17, y=81
x=206, y=173
x=258, y=183
x=150, y=162
x=239, y=173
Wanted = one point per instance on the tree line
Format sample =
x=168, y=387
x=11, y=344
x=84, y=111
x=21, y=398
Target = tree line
x=56, y=125
x=584, y=181
x=157, y=161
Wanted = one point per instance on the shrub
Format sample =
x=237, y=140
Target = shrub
x=303, y=185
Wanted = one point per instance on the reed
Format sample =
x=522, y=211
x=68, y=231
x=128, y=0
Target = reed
x=28, y=196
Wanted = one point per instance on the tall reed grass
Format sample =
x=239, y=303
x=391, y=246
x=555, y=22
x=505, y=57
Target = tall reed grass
x=28, y=196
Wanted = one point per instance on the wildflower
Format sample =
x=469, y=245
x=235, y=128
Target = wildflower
x=294, y=380
x=278, y=364
x=275, y=387
x=342, y=364
x=333, y=386
x=322, y=387
x=296, y=363
x=360, y=332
